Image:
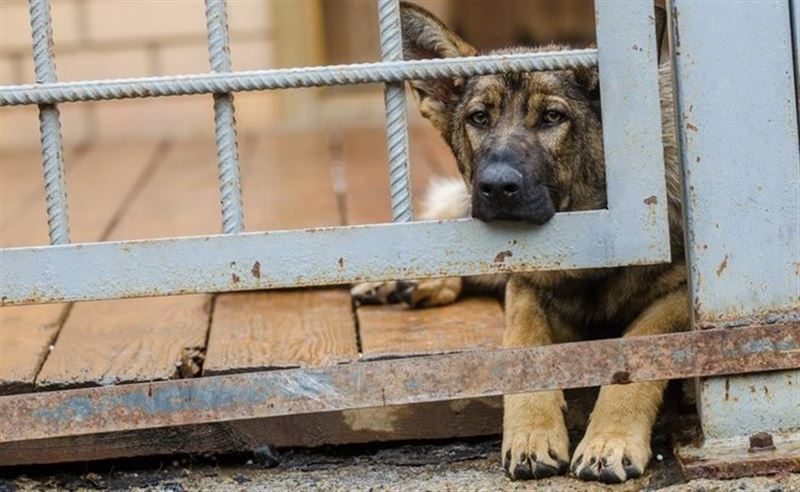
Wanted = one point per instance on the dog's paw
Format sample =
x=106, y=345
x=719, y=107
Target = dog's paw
x=610, y=457
x=535, y=453
x=430, y=292
x=415, y=293
x=375, y=293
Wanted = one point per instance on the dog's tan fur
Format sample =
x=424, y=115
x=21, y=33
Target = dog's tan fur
x=553, y=306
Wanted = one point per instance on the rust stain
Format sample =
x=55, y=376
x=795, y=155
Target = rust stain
x=621, y=377
x=501, y=256
x=691, y=126
x=717, y=462
x=234, y=278
x=722, y=266
x=651, y=200
x=339, y=387
x=256, y=270
x=761, y=441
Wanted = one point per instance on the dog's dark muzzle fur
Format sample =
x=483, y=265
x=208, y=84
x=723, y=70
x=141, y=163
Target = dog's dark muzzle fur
x=504, y=190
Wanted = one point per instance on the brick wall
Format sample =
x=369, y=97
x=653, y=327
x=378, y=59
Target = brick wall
x=131, y=38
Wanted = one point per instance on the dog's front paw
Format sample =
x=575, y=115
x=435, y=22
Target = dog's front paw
x=375, y=293
x=415, y=293
x=535, y=452
x=611, y=457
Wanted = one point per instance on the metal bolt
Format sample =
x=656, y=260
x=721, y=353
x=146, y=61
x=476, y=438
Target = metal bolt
x=761, y=441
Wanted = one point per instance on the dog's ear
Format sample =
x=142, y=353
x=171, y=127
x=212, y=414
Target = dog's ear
x=425, y=37
x=588, y=78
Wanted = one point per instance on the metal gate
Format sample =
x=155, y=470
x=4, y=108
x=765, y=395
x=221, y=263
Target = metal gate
x=741, y=205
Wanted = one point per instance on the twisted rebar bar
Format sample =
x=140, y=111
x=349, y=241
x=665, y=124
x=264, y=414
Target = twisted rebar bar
x=396, y=118
x=49, y=125
x=255, y=80
x=225, y=120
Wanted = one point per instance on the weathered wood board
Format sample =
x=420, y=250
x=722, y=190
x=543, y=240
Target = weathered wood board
x=146, y=339
x=99, y=180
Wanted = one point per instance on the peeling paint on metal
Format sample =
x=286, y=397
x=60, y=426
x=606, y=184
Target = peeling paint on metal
x=398, y=381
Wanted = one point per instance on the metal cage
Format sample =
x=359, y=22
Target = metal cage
x=741, y=204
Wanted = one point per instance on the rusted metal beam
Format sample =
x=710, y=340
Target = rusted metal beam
x=398, y=381
x=732, y=458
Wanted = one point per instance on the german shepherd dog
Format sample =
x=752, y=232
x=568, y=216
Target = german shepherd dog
x=529, y=145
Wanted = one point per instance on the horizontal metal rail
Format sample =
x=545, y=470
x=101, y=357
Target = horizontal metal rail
x=398, y=381
x=328, y=256
x=360, y=73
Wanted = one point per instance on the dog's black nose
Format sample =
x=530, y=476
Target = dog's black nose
x=499, y=181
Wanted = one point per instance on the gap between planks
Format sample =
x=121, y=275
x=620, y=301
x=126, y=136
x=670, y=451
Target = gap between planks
x=131, y=340
x=98, y=183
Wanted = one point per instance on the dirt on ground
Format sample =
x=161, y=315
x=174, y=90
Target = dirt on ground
x=446, y=466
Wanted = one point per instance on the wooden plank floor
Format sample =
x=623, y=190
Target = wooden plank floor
x=133, y=340
x=290, y=179
x=99, y=183
x=289, y=188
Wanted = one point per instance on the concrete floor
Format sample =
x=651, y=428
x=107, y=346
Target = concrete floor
x=462, y=466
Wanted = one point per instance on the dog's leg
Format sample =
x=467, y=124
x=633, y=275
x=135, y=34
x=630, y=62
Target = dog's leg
x=445, y=199
x=616, y=445
x=535, y=440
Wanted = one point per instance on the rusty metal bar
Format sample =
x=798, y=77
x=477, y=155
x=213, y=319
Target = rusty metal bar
x=398, y=381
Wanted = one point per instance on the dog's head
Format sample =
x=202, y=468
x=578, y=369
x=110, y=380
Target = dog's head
x=527, y=145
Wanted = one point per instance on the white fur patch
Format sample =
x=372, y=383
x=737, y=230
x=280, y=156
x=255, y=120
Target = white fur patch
x=446, y=198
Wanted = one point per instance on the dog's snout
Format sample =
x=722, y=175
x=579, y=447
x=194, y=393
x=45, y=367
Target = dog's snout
x=508, y=190
x=499, y=181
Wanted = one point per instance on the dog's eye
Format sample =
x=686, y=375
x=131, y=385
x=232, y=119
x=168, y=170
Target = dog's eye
x=552, y=117
x=478, y=119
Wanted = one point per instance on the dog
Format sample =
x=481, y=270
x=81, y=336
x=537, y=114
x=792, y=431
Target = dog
x=529, y=145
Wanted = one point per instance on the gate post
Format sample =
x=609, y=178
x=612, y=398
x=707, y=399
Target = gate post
x=738, y=130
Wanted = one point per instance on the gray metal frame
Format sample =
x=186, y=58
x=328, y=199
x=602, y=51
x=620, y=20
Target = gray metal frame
x=741, y=156
x=632, y=230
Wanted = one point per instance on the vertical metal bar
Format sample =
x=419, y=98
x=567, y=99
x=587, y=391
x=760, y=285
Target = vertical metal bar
x=794, y=6
x=629, y=89
x=225, y=120
x=396, y=121
x=738, y=131
x=50, y=124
